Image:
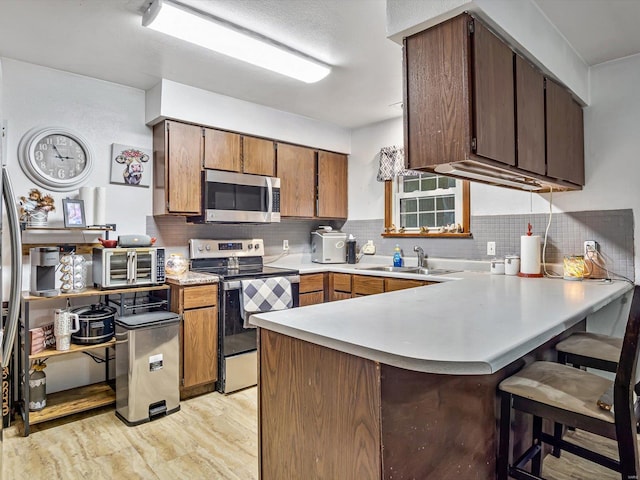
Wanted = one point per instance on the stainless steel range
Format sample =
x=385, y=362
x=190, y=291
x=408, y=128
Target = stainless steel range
x=237, y=262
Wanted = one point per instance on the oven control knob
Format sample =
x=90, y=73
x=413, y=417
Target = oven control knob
x=250, y=246
x=200, y=248
x=208, y=247
x=257, y=246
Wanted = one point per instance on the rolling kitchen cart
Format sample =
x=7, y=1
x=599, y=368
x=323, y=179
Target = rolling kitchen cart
x=88, y=397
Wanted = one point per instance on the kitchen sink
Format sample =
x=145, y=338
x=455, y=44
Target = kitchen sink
x=393, y=269
x=418, y=270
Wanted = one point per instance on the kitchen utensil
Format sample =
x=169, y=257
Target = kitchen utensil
x=511, y=265
x=108, y=243
x=96, y=324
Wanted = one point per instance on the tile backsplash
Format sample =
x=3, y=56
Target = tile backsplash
x=612, y=229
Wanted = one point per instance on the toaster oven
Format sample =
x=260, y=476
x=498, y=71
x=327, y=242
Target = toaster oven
x=128, y=267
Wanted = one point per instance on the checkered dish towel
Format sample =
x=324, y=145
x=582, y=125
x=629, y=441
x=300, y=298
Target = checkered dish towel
x=264, y=295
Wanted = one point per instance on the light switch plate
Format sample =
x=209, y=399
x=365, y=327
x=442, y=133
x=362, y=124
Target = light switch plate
x=491, y=248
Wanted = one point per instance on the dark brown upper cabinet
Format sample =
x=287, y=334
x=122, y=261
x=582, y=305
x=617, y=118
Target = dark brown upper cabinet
x=222, y=150
x=530, y=117
x=471, y=102
x=258, y=156
x=296, y=168
x=565, y=135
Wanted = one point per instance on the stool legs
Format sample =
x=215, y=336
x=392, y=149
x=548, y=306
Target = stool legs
x=505, y=433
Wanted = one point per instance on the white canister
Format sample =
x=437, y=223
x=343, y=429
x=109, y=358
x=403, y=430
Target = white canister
x=511, y=265
x=497, y=266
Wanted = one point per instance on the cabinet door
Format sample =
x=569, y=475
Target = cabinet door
x=199, y=346
x=565, y=135
x=530, y=115
x=436, y=94
x=296, y=169
x=493, y=97
x=365, y=285
x=311, y=298
x=313, y=282
x=221, y=150
x=392, y=284
x=258, y=156
x=332, y=185
x=184, y=164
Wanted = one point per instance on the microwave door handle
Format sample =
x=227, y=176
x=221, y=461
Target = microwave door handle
x=129, y=267
x=269, y=198
x=134, y=266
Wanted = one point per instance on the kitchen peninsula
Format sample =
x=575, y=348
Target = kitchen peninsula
x=403, y=384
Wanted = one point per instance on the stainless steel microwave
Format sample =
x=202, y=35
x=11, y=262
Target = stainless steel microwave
x=128, y=267
x=238, y=197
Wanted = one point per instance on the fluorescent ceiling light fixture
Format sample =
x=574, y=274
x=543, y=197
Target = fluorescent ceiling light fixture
x=197, y=27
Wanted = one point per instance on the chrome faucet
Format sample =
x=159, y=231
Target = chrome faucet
x=421, y=255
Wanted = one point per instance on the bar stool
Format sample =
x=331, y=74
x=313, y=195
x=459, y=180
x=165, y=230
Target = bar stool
x=569, y=396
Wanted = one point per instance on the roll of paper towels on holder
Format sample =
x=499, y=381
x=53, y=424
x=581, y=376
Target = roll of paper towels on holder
x=87, y=195
x=100, y=207
x=530, y=255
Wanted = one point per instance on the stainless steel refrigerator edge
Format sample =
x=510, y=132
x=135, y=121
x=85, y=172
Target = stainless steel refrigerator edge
x=8, y=333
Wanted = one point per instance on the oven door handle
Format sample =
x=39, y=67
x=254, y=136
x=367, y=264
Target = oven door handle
x=235, y=284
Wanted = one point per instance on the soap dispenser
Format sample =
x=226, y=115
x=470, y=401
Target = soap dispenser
x=397, y=256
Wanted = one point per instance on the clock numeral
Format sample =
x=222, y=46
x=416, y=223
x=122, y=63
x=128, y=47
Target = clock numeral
x=49, y=140
x=61, y=140
x=81, y=158
x=43, y=146
x=43, y=165
x=61, y=173
x=39, y=156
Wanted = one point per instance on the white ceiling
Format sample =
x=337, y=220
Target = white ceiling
x=104, y=39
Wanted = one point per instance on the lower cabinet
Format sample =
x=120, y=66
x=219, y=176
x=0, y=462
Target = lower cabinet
x=198, y=333
x=344, y=285
x=312, y=289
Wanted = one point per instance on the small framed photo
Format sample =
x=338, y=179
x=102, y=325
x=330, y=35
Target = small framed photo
x=73, y=211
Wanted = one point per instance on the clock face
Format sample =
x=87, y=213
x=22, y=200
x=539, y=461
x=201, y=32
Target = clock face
x=55, y=158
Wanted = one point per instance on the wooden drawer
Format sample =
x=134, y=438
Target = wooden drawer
x=341, y=282
x=311, y=298
x=200, y=296
x=340, y=296
x=391, y=284
x=365, y=285
x=313, y=282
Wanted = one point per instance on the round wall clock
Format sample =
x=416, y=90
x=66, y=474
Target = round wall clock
x=55, y=158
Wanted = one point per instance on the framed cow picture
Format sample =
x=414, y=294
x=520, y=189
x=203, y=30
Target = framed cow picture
x=130, y=165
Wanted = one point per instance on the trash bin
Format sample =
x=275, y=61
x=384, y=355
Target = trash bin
x=147, y=366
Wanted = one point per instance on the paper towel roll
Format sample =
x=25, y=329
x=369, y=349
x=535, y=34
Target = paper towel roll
x=530, y=254
x=100, y=207
x=87, y=195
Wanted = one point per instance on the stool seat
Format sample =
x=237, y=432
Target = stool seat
x=592, y=345
x=561, y=386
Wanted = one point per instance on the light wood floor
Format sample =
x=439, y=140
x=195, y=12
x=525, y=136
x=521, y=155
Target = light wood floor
x=212, y=437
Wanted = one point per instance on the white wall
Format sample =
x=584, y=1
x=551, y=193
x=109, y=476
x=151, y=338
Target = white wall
x=612, y=168
x=102, y=112
x=182, y=102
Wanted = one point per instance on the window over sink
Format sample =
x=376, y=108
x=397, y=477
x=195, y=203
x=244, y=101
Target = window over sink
x=427, y=204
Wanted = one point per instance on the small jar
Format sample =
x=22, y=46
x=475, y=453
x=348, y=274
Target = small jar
x=511, y=265
x=497, y=266
x=176, y=264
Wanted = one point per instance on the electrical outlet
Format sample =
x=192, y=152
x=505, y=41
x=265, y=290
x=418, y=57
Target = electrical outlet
x=491, y=248
x=590, y=246
x=285, y=245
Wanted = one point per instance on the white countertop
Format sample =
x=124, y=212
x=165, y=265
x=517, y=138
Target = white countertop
x=473, y=326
